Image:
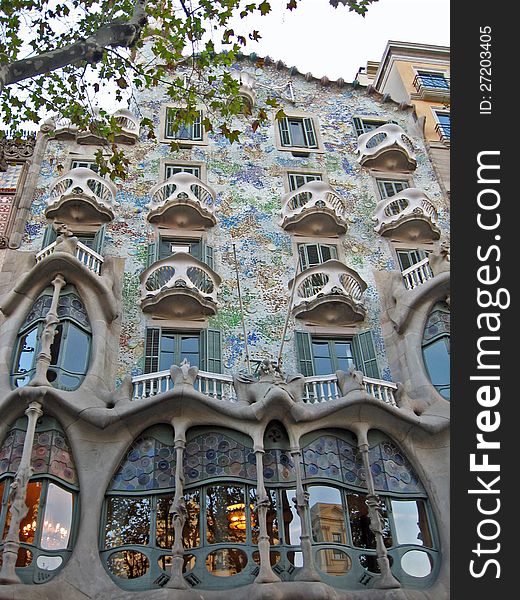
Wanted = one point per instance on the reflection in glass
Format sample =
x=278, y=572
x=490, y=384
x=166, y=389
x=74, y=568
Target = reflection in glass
x=128, y=564
x=128, y=521
x=271, y=518
x=28, y=523
x=411, y=522
x=191, y=531
x=362, y=536
x=48, y=563
x=291, y=519
x=222, y=504
x=416, y=563
x=226, y=562
x=333, y=561
x=164, y=532
x=57, y=518
x=24, y=558
x=327, y=516
x=26, y=350
x=76, y=357
x=437, y=360
x=274, y=558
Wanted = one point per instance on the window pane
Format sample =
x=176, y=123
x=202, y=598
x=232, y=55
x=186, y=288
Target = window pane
x=128, y=564
x=26, y=352
x=57, y=518
x=191, y=531
x=77, y=350
x=411, y=522
x=437, y=360
x=291, y=520
x=225, y=514
x=128, y=521
x=29, y=522
x=56, y=345
x=167, y=356
x=362, y=536
x=271, y=518
x=327, y=517
x=190, y=349
x=164, y=532
x=297, y=133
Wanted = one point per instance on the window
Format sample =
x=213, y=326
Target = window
x=408, y=258
x=187, y=132
x=46, y=531
x=167, y=246
x=296, y=180
x=298, y=132
x=366, y=124
x=436, y=348
x=433, y=79
x=70, y=349
x=390, y=187
x=171, y=170
x=443, y=127
x=316, y=254
x=85, y=164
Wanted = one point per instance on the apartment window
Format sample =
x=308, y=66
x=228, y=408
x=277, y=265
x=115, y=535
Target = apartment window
x=436, y=348
x=322, y=355
x=85, y=164
x=166, y=246
x=312, y=255
x=365, y=124
x=391, y=187
x=443, y=127
x=93, y=240
x=296, y=180
x=433, y=79
x=408, y=258
x=171, y=170
x=298, y=132
x=188, y=131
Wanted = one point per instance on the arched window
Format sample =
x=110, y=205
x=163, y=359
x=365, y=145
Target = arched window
x=47, y=531
x=70, y=349
x=436, y=348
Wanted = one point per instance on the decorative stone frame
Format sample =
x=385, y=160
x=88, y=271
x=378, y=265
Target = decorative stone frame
x=296, y=150
x=182, y=143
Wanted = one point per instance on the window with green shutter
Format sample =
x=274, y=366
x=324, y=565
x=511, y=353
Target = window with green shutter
x=365, y=124
x=167, y=246
x=296, y=180
x=188, y=131
x=298, y=132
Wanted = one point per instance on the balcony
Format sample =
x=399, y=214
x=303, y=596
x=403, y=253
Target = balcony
x=246, y=90
x=329, y=294
x=417, y=274
x=386, y=148
x=407, y=216
x=314, y=209
x=182, y=201
x=444, y=132
x=179, y=286
x=92, y=260
x=432, y=88
x=129, y=124
x=81, y=196
x=324, y=388
x=65, y=130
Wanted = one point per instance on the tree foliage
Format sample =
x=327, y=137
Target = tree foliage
x=57, y=56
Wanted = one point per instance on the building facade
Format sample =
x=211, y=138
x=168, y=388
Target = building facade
x=227, y=375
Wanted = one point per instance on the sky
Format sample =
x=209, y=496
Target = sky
x=334, y=42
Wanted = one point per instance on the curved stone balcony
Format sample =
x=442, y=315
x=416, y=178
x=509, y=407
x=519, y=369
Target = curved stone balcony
x=81, y=196
x=182, y=201
x=64, y=129
x=129, y=124
x=179, y=286
x=329, y=294
x=314, y=209
x=407, y=216
x=386, y=148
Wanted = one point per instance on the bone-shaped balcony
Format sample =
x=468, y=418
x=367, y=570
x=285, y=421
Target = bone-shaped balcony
x=386, y=148
x=129, y=124
x=407, y=216
x=314, y=209
x=182, y=201
x=179, y=286
x=329, y=294
x=81, y=196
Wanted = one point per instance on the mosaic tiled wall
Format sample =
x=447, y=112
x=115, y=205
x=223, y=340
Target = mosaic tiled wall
x=248, y=178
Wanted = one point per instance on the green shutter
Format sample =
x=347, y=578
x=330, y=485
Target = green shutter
x=366, y=355
x=207, y=255
x=170, y=116
x=358, y=126
x=151, y=349
x=151, y=254
x=309, y=132
x=49, y=236
x=285, y=137
x=211, y=353
x=304, y=353
x=99, y=240
x=197, y=127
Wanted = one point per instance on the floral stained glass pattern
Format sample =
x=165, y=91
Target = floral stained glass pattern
x=278, y=466
x=391, y=470
x=217, y=455
x=11, y=451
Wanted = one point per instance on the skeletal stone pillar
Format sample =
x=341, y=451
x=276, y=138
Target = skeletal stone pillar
x=266, y=574
x=43, y=360
x=17, y=496
x=373, y=502
x=308, y=571
x=179, y=513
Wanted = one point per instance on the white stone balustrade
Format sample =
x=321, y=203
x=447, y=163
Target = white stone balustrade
x=81, y=196
x=408, y=215
x=129, y=124
x=323, y=388
x=92, y=260
x=417, y=274
x=330, y=293
x=183, y=200
x=386, y=148
x=64, y=129
x=314, y=209
x=179, y=286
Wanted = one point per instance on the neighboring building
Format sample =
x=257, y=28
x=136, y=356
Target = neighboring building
x=419, y=75
x=167, y=452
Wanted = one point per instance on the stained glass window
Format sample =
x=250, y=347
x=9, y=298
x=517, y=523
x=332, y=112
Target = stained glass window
x=436, y=348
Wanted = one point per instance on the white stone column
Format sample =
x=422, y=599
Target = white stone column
x=373, y=502
x=43, y=360
x=266, y=574
x=308, y=571
x=17, y=497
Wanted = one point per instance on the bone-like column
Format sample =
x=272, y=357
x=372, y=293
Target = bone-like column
x=17, y=497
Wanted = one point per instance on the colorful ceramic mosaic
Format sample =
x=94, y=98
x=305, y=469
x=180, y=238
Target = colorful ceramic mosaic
x=392, y=471
x=278, y=466
x=438, y=322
